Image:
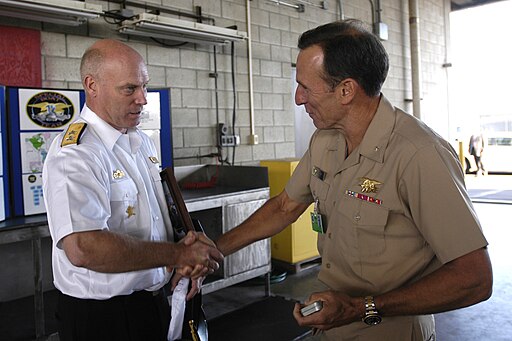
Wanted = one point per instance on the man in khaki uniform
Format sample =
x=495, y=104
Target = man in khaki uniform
x=398, y=234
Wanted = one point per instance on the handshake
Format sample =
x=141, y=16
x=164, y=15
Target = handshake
x=197, y=256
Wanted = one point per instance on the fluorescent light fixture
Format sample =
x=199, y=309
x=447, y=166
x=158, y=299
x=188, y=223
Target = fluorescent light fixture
x=66, y=12
x=157, y=26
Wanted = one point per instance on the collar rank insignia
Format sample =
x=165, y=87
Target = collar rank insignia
x=369, y=185
x=130, y=211
x=118, y=174
x=153, y=159
x=73, y=133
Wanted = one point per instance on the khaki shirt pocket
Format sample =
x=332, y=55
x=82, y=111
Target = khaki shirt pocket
x=370, y=225
x=319, y=189
x=366, y=232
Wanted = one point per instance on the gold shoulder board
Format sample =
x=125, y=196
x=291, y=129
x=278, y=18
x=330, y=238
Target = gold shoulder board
x=72, y=136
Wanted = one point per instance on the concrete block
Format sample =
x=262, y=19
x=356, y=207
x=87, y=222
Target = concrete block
x=298, y=25
x=244, y=152
x=270, y=36
x=280, y=53
x=176, y=97
x=76, y=45
x=289, y=134
x=195, y=137
x=282, y=85
x=242, y=117
x=242, y=65
x=263, y=151
x=279, y=21
x=181, y=78
x=285, y=150
x=270, y=68
x=195, y=60
x=55, y=84
x=182, y=118
x=196, y=98
x=260, y=17
x=262, y=84
x=289, y=39
x=225, y=99
x=273, y=134
x=233, y=11
x=156, y=77
x=61, y=69
x=209, y=7
x=284, y=117
x=177, y=138
x=263, y=118
x=260, y=51
x=272, y=101
x=207, y=117
x=53, y=44
x=164, y=56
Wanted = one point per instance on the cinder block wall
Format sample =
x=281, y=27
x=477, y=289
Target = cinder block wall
x=275, y=29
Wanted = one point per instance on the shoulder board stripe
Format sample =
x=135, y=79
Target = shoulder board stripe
x=73, y=134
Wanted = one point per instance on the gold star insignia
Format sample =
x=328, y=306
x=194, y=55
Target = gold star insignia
x=130, y=211
x=369, y=185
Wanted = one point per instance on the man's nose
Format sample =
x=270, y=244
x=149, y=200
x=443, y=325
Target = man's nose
x=142, y=97
x=300, y=96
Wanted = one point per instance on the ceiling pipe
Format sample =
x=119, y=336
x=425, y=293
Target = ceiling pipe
x=253, y=137
x=414, y=30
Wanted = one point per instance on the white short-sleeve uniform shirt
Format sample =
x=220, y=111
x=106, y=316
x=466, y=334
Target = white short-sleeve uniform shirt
x=108, y=181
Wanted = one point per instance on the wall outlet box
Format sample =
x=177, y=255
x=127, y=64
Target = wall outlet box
x=229, y=140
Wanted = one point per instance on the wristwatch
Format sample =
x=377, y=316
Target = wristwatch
x=371, y=315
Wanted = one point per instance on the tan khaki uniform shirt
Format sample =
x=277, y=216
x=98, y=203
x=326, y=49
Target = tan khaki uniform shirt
x=396, y=209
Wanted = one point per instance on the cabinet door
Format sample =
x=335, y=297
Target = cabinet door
x=252, y=256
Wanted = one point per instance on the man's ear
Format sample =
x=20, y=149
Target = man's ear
x=90, y=85
x=346, y=90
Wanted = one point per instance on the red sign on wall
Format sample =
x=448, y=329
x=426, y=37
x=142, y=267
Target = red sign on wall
x=20, y=57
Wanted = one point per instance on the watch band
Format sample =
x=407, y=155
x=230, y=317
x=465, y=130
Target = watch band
x=371, y=315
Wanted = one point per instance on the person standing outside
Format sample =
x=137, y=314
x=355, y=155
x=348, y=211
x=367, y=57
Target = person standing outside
x=397, y=233
x=476, y=148
x=107, y=213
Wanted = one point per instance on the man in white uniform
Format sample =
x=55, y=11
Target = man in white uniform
x=107, y=213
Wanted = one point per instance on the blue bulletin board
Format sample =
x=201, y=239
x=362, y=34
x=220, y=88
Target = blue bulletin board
x=37, y=116
x=4, y=175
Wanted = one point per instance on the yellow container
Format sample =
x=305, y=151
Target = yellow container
x=297, y=242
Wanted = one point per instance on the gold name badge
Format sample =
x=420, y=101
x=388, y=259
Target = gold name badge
x=118, y=174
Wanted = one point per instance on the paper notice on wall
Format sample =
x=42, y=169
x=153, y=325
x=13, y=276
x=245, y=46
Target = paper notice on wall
x=34, y=148
x=33, y=202
x=41, y=109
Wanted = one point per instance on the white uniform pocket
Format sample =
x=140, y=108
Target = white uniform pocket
x=123, y=205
